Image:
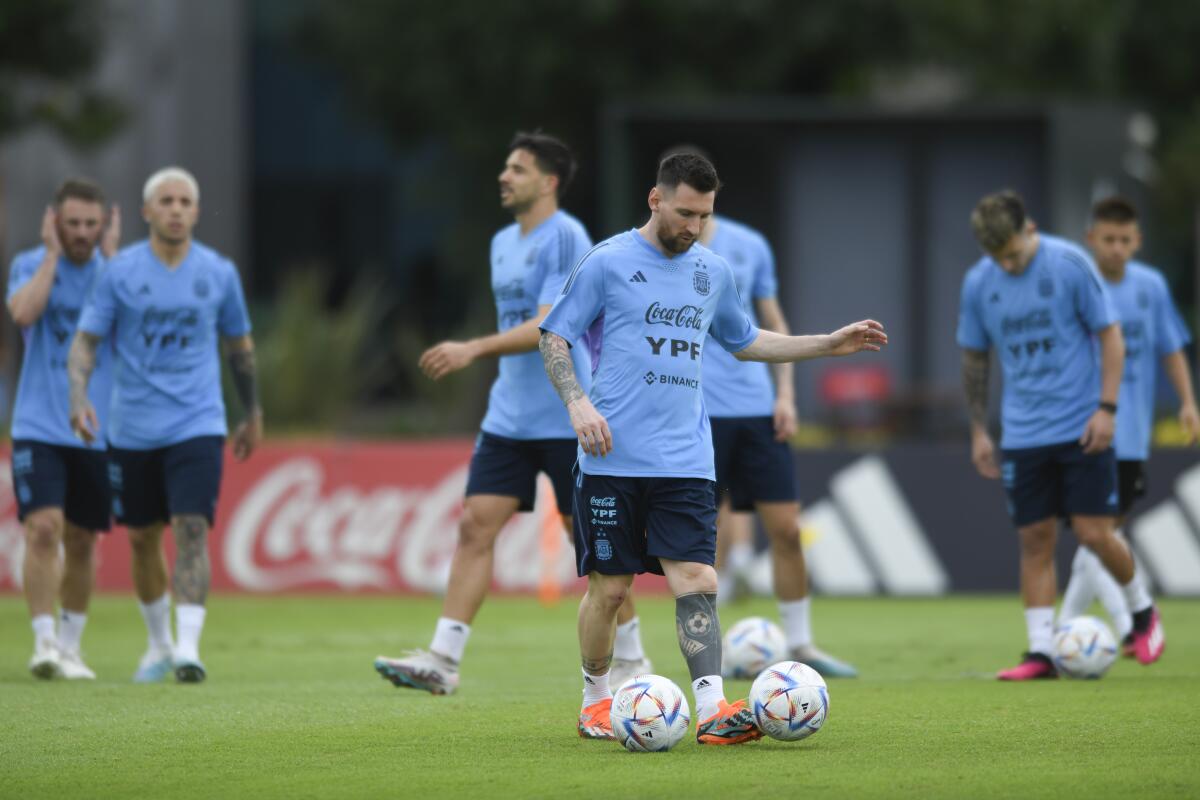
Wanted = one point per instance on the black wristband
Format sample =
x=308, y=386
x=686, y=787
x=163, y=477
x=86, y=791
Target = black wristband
x=1109, y=407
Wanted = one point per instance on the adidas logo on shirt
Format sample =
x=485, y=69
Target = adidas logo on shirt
x=638, y=277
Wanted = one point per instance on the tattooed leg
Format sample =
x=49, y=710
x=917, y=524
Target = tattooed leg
x=699, y=633
x=192, y=571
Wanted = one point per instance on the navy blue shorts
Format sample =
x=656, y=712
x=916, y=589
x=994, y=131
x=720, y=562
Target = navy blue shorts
x=624, y=525
x=1131, y=485
x=1059, y=480
x=57, y=476
x=152, y=486
x=509, y=468
x=751, y=465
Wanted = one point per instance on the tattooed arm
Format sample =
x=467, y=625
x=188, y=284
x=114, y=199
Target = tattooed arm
x=81, y=360
x=245, y=380
x=976, y=366
x=590, y=426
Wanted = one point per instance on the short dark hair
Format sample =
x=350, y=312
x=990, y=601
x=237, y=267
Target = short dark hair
x=690, y=168
x=1114, y=209
x=79, y=189
x=997, y=218
x=552, y=155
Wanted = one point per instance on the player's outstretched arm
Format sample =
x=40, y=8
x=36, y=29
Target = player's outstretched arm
x=1176, y=366
x=446, y=357
x=590, y=427
x=28, y=302
x=976, y=366
x=81, y=360
x=244, y=370
x=854, y=338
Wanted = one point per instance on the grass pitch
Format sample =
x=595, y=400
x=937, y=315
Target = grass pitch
x=293, y=709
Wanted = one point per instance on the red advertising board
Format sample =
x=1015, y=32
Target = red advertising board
x=341, y=517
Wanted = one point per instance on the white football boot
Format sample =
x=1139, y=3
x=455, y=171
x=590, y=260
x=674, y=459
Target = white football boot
x=72, y=667
x=46, y=662
x=623, y=669
x=420, y=669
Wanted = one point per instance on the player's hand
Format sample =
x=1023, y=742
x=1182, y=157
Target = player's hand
x=111, y=240
x=50, y=231
x=247, y=436
x=854, y=338
x=983, y=456
x=785, y=418
x=591, y=429
x=440, y=360
x=1097, y=436
x=85, y=424
x=1189, y=421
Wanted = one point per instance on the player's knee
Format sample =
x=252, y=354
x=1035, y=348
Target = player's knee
x=784, y=539
x=145, y=541
x=611, y=593
x=1092, y=536
x=475, y=533
x=42, y=533
x=190, y=530
x=78, y=545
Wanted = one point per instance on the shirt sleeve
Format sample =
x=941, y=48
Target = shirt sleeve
x=19, y=273
x=765, y=282
x=972, y=335
x=100, y=308
x=581, y=300
x=1170, y=334
x=233, y=320
x=731, y=326
x=1093, y=302
x=556, y=260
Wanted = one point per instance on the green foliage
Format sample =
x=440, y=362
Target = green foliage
x=47, y=50
x=293, y=709
x=313, y=361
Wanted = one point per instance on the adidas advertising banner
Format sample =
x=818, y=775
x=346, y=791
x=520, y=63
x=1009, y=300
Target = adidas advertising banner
x=908, y=520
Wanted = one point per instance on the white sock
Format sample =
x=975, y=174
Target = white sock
x=1111, y=596
x=70, y=630
x=628, y=644
x=1039, y=622
x=739, y=557
x=595, y=688
x=708, y=692
x=157, y=615
x=796, y=616
x=1080, y=591
x=43, y=627
x=189, y=622
x=450, y=639
x=1136, y=597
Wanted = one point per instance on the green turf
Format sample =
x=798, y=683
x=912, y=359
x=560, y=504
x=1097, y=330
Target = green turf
x=293, y=709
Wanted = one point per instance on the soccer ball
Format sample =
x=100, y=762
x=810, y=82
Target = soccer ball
x=649, y=713
x=790, y=701
x=1084, y=647
x=750, y=646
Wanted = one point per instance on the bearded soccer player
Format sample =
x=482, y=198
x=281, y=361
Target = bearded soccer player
x=167, y=303
x=644, y=493
x=1153, y=334
x=752, y=419
x=525, y=430
x=61, y=483
x=1039, y=301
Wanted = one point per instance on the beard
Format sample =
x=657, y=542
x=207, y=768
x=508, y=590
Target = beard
x=673, y=244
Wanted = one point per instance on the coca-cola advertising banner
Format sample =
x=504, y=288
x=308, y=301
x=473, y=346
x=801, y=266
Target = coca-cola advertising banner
x=325, y=516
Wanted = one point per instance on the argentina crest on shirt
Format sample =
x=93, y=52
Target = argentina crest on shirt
x=700, y=282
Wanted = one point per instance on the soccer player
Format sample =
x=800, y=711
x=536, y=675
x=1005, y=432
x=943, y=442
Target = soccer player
x=525, y=430
x=644, y=493
x=751, y=423
x=1153, y=332
x=61, y=483
x=165, y=302
x=1039, y=302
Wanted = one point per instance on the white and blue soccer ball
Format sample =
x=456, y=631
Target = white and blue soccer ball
x=790, y=701
x=749, y=646
x=1084, y=647
x=649, y=714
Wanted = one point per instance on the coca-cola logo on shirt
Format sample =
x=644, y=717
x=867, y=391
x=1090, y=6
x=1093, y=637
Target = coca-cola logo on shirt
x=680, y=317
